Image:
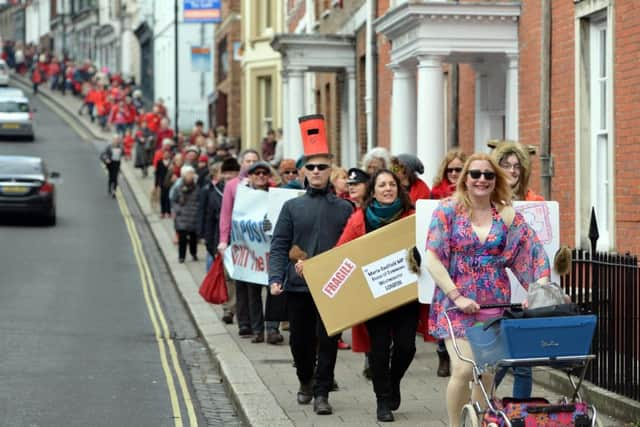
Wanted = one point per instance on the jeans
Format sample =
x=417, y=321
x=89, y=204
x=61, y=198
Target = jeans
x=121, y=128
x=389, y=363
x=522, y=381
x=250, y=308
x=307, y=333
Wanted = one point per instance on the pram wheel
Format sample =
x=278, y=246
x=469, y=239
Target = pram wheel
x=469, y=417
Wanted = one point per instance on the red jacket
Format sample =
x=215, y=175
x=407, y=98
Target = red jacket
x=356, y=227
x=443, y=190
x=419, y=190
x=162, y=134
x=153, y=121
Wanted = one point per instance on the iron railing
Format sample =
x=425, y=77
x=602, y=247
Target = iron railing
x=607, y=285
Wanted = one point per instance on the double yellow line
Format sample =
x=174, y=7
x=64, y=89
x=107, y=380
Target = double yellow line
x=162, y=333
x=161, y=330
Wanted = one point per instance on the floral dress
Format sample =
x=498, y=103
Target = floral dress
x=478, y=269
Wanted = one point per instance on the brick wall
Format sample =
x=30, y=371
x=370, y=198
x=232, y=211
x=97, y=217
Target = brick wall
x=295, y=13
x=563, y=147
x=627, y=117
x=385, y=79
x=466, y=107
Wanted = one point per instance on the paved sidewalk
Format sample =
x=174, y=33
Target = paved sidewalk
x=260, y=377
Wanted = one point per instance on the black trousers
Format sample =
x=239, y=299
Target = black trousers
x=165, y=202
x=183, y=237
x=114, y=170
x=307, y=332
x=388, y=364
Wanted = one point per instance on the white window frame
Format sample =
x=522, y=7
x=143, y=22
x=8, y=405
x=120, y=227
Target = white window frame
x=594, y=172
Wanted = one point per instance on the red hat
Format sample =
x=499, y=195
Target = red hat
x=314, y=136
x=203, y=158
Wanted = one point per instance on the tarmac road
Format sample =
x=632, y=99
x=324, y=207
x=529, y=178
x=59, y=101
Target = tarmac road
x=81, y=336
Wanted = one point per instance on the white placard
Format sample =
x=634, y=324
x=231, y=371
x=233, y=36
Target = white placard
x=389, y=274
x=277, y=198
x=543, y=217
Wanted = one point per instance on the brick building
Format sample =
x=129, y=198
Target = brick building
x=228, y=74
x=556, y=75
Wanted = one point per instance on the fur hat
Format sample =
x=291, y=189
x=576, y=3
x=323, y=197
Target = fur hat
x=230, y=165
x=502, y=149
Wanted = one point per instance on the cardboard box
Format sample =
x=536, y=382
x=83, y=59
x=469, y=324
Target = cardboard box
x=363, y=278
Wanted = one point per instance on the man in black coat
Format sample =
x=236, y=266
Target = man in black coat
x=307, y=226
x=209, y=218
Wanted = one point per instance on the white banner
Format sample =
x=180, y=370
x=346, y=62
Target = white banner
x=543, y=217
x=247, y=257
x=277, y=198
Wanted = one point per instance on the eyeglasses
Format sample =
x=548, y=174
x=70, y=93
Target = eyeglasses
x=320, y=166
x=451, y=170
x=291, y=172
x=509, y=166
x=262, y=173
x=488, y=175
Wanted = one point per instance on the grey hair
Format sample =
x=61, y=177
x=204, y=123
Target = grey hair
x=247, y=151
x=377, y=153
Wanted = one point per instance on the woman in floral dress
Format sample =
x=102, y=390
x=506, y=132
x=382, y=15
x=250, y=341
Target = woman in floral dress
x=473, y=237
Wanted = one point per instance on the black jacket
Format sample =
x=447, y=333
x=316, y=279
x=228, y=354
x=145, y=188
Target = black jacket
x=314, y=223
x=185, y=206
x=209, y=215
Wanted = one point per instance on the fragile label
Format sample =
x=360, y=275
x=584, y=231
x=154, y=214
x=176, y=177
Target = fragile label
x=339, y=278
x=389, y=274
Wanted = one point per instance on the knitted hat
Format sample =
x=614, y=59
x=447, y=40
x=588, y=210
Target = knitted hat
x=230, y=165
x=411, y=162
x=167, y=142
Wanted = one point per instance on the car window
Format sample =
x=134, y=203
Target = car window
x=11, y=167
x=3, y=67
x=13, y=107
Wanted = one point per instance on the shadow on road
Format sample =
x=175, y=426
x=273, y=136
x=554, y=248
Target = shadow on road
x=22, y=221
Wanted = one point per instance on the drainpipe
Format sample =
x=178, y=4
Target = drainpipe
x=545, y=101
x=370, y=74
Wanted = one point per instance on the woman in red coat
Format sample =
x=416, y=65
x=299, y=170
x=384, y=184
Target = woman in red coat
x=407, y=167
x=385, y=202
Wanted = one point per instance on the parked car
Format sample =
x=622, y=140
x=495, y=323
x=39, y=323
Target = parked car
x=26, y=187
x=9, y=92
x=16, y=117
x=4, y=73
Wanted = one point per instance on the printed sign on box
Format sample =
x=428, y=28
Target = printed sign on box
x=339, y=278
x=247, y=256
x=543, y=217
x=389, y=274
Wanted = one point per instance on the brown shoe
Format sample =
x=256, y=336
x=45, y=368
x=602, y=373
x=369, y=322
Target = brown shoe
x=274, y=338
x=258, y=338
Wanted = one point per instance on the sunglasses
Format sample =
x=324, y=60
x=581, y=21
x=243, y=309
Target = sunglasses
x=450, y=170
x=262, y=173
x=488, y=175
x=292, y=172
x=320, y=166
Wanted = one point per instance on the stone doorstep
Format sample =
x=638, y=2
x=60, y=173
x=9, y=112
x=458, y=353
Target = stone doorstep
x=606, y=402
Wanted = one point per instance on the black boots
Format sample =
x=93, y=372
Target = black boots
x=383, y=411
x=305, y=393
x=444, y=369
x=321, y=405
x=394, y=398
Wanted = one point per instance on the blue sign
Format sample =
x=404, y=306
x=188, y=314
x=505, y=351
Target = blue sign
x=202, y=11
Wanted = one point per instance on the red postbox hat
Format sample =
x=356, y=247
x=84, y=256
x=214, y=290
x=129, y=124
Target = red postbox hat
x=314, y=136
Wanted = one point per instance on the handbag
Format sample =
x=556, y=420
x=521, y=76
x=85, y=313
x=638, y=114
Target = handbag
x=214, y=287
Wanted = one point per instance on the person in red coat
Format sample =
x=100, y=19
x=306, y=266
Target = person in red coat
x=164, y=132
x=385, y=202
x=444, y=183
x=407, y=167
x=36, y=78
x=153, y=120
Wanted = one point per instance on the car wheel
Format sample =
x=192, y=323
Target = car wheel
x=50, y=219
x=31, y=138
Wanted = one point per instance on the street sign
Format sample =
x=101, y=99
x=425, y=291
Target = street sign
x=201, y=11
x=200, y=59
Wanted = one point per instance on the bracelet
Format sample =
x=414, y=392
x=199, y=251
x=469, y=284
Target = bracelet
x=458, y=295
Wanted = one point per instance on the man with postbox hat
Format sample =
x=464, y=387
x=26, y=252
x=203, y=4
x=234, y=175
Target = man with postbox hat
x=307, y=226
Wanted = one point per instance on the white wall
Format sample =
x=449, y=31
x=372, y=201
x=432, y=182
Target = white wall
x=37, y=17
x=192, y=93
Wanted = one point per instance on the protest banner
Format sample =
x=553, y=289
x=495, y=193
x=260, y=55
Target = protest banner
x=364, y=278
x=247, y=257
x=277, y=199
x=543, y=217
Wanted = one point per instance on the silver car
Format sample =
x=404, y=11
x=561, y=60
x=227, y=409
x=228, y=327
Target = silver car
x=16, y=117
x=4, y=73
